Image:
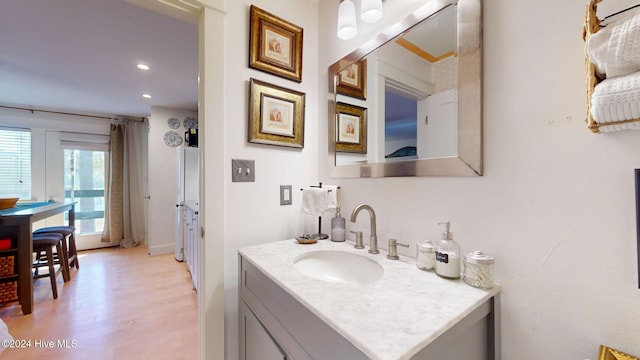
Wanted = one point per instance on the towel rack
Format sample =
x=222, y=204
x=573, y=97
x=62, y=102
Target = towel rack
x=591, y=26
x=320, y=235
x=621, y=11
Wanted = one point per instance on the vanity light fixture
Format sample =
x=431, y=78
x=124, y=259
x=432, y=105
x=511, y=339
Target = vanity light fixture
x=146, y=96
x=371, y=10
x=142, y=66
x=347, y=26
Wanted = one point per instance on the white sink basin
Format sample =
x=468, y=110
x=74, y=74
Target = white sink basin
x=339, y=267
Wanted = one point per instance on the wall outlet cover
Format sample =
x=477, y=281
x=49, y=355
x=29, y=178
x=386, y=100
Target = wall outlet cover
x=285, y=195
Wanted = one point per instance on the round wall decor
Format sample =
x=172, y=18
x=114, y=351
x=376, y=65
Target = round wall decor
x=191, y=123
x=173, y=123
x=172, y=138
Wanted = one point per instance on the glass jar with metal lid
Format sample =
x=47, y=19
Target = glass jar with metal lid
x=426, y=256
x=478, y=270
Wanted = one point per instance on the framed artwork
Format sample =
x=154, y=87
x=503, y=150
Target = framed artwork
x=275, y=45
x=352, y=81
x=607, y=353
x=276, y=115
x=351, y=128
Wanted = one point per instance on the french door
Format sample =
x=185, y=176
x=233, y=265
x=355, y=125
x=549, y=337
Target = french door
x=77, y=170
x=84, y=182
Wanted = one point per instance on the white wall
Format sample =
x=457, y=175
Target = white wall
x=556, y=204
x=253, y=213
x=162, y=179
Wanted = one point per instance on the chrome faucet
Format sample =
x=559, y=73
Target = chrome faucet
x=373, y=238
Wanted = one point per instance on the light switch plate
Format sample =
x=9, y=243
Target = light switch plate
x=285, y=195
x=243, y=170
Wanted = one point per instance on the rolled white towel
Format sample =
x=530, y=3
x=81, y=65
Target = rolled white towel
x=623, y=55
x=597, y=46
x=616, y=99
x=614, y=49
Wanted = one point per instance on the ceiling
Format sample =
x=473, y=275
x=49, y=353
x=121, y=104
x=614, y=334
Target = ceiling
x=80, y=56
x=436, y=37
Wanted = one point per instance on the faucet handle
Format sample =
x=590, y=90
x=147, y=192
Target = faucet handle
x=359, y=243
x=393, y=249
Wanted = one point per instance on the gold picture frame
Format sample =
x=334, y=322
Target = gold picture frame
x=352, y=81
x=351, y=128
x=276, y=115
x=275, y=45
x=607, y=353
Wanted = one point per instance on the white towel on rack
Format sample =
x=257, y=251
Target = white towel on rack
x=597, y=47
x=332, y=202
x=615, y=49
x=315, y=201
x=623, y=57
x=617, y=99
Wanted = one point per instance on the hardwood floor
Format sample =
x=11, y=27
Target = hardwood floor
x=120, y=304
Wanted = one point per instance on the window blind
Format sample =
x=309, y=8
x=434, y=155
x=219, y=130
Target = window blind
x=15, y=163
x=78, y=141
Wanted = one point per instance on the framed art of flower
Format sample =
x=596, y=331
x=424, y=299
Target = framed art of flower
x=351, y=128
x=275, y=45
x=276, y=115
x=352, y=81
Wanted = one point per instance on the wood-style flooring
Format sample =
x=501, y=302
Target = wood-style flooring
x=121, y=304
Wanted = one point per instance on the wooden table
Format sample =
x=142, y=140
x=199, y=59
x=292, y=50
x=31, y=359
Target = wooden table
x=17, y=225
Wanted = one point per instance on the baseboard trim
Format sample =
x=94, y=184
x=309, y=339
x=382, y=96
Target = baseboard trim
x=161, y=249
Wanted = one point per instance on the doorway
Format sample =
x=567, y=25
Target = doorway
x=85, y=172
x=76, y=169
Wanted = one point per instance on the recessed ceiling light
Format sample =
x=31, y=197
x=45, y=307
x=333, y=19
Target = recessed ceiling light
x=142, y=66
x=146, y=96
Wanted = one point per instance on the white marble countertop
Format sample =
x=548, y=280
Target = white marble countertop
x=392, y=318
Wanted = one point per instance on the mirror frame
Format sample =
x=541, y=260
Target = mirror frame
x=468, y=162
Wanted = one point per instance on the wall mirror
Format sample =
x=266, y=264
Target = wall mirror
x=409, y=101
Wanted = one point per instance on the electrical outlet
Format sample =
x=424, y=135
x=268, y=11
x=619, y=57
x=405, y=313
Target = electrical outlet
x=243, y=170
x=285, y=195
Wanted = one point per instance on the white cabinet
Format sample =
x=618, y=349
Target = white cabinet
x=191, y=241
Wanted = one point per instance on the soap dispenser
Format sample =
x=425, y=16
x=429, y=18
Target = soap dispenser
x=448, y=255
x=338, y=227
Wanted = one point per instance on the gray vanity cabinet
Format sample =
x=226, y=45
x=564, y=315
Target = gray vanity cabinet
x=275, y=325
x=293, y=329
x=258, y=343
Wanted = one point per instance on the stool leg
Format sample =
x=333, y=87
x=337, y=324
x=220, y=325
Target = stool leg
x=73, y=252
x=63, y=256
x=38, y=254
x=52, y=273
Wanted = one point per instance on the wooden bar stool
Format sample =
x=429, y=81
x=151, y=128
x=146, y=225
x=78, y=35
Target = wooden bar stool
x=68, y=232
x=46, y=242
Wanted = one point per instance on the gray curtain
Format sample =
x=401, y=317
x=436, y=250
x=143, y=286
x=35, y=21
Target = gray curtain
x=124, y=209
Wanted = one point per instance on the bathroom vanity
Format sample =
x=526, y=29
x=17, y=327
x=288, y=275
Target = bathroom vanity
x=290, y=312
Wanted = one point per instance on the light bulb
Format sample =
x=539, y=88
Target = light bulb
x=371, y=10
x=347, y=27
